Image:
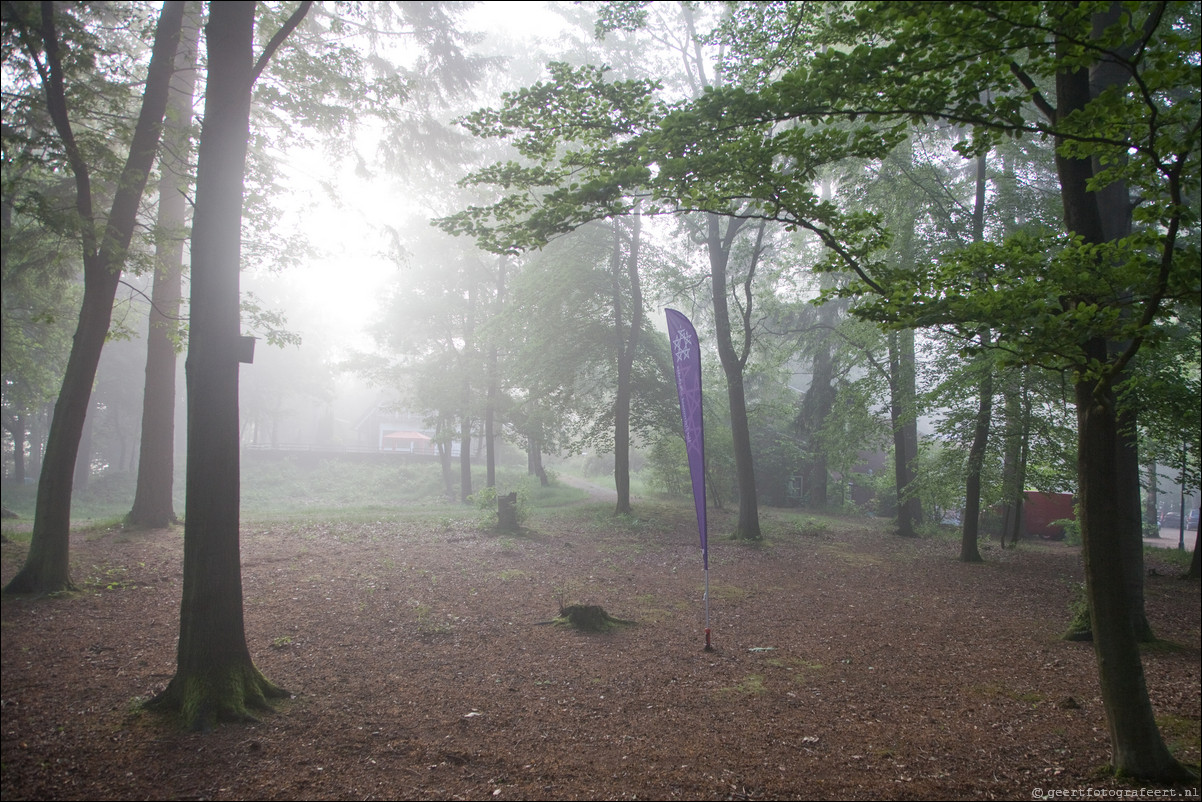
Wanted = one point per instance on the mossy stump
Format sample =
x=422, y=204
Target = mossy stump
x=588, y=618
x=507, y=512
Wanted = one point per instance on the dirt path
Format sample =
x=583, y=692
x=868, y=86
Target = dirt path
x=849, y=664
x=596, y=492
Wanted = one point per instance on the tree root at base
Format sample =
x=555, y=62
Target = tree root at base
x=201, y=699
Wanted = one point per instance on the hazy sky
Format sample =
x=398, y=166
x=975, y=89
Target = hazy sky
x=332, y=297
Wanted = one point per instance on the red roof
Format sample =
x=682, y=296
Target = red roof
x=406, y=436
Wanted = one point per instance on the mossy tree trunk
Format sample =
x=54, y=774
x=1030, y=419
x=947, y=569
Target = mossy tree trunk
x=215, y=679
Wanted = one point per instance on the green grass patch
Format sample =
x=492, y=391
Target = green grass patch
x=650, y=609
x=1080, y=628
x=729, y=594
x=1032, y=698
x=1167, y=561
x=108, y=577
x=604, y=518
x=553, y=496
x=797, y=664
x=790, y=524
x=136, y=707
x=18, y=533
x=273, y=485
x=848, y=554
x=752, y=685
x=429, y=622
x=626, y=548
x=1183, y=736
x=288, y=487
x=106, y=498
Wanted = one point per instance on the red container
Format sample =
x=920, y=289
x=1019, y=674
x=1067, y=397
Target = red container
x=1040, y=510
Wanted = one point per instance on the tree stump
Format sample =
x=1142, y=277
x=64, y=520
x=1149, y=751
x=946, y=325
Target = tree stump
x=588, y=618
x=507, y=512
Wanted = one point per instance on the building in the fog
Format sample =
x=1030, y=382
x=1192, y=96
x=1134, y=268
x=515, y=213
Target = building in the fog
x=383, y=428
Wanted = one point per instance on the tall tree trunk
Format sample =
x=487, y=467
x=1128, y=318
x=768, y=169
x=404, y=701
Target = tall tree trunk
x=719, y=246
x=1137, y=747
x=1113, y=202
x=816, y=405
x=1014, y=461
x=465, y=400
x=494, y=390
x=903, y=413
x=1017, y=413
x=215, y=678
x=153, y=504
x=17, y=429
x=819, y=399
x=47, y=566
x=969, y=535
x=443, y=437
x=1130, y=510
x=627, y=347
x=1151, y=507
x=465, y=450
x=534, y=460
x=624, y=358
x=903, y=402
x=490, y=451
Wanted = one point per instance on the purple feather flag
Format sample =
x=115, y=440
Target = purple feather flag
x=686, y=357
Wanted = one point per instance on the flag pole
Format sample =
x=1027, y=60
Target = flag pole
x=686, y=362
x=708, y=647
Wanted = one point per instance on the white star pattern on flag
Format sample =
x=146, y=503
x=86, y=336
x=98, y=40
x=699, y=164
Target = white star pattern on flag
x=682, y=347
x=686, y=358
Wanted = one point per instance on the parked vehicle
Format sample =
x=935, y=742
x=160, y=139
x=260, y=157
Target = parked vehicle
x=1191, y=523
x=1170, y=519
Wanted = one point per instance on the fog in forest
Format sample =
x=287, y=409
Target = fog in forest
x=446, y=321
x=393, y=312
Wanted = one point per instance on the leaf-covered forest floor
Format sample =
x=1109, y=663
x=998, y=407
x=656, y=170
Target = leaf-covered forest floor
x=848, y=664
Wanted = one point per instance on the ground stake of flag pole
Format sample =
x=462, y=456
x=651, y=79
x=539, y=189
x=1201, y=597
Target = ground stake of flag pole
x=708, y=646
x=686, y=360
